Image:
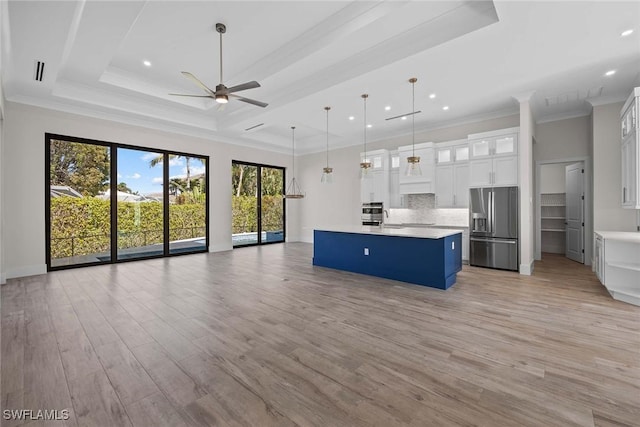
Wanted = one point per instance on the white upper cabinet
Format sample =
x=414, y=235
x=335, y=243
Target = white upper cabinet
x=494, y=158
x=396, y=200
x=374, y=186
x=424, y=182
x=452, y=174
x=494, y=145
x=630, y=153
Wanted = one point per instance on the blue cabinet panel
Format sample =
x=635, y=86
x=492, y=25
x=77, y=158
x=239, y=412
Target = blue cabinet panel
x=428, y=262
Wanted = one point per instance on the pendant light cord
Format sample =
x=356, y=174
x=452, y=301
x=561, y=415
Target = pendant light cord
x=327, y=110
x=293, y=153
x=413, y=118
x=365, y=126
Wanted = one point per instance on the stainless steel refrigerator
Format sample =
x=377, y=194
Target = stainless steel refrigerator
x=493, y=227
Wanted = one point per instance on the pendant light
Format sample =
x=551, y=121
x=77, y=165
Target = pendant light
x=413, y=161
x=327, y=172
x=365, y=165
x=293, y=189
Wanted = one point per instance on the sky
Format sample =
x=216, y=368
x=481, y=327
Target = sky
x=134, y=170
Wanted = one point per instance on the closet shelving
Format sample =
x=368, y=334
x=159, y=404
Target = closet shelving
x=552, y=217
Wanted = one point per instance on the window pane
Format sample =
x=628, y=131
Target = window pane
x=244, y=184
x=80, y=223
x=140, y=209
x=187, y=204
x=480, y=148
x=444, y=155
x=272, y=205
x=462, y=153
x=505, y=145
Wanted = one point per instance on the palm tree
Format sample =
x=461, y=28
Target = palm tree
x=160, y=157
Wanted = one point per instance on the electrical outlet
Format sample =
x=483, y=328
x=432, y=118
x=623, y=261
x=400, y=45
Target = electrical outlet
x=453, y=246
x=366, y=251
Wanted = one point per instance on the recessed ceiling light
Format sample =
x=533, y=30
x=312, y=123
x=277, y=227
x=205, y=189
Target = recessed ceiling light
x=351, y=118
x=403, y=118
x=626, y=33
x=369, y=126
x=433, y=95
x=387, y=108
x=146, y=63
x=445, y=108
x=610, y=73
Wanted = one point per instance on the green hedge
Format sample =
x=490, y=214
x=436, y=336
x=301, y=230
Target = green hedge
x=81, y=226
x=245, y=217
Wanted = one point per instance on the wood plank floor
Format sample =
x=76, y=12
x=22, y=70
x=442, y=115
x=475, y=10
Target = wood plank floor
x=259, y=337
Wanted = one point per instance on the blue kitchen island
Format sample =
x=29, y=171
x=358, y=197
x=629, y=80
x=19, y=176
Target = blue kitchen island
x=429, y=257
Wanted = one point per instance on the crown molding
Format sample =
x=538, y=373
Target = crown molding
x=564, y=116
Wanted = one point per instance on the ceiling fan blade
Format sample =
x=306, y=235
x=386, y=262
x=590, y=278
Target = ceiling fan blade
x=249, y=101
x=198, y=82
x=193, y=96
x=243, y=86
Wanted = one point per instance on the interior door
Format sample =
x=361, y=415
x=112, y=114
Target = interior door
x=574, y=216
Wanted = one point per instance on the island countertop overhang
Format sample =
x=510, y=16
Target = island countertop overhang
x=420, y=233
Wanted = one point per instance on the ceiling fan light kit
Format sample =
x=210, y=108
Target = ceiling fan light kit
x=222, y=92
x=413, y=161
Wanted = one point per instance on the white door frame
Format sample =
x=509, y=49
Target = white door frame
x=588, y=207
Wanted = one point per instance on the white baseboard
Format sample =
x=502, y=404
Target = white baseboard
x=630, y=298
x=27, y=270
x=220, y=248
x=527, y=269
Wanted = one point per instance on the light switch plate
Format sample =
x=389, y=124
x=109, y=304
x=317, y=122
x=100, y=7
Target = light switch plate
x=366, y=251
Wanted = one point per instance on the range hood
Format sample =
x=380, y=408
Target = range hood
x=424, y=187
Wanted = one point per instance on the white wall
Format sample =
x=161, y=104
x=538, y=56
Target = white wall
x=608, y=215
x=562, y=139
x=552, y=178
x=22, y=165
x=339, y=203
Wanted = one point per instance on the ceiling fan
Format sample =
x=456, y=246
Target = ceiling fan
x=222, y=93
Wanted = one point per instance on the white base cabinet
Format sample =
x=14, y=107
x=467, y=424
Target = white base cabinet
x=617, y=264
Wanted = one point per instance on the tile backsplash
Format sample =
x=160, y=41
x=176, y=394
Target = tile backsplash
x=421, y=210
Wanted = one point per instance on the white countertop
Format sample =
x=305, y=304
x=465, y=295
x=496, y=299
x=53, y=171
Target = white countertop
x=627, y=236
x=421, y=233
x=421, y=225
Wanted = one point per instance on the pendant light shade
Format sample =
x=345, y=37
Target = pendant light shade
x=327, y=172
x=365, y=164
x=293, y=189
x=413, y=161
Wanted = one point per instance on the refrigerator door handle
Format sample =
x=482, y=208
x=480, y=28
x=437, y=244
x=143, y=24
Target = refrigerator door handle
x=509, y=242
x=490, y=212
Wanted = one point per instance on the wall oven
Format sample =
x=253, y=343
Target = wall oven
x=372, y=213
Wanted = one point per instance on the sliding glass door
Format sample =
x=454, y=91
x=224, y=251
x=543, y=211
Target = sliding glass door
x=108, y=202
x=79, y=206
x=140, y=207
x=272, y=206
x=257, y=204
x=188, y=203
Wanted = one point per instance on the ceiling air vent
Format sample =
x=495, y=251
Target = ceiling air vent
x=253, y=127
x=38, y=71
